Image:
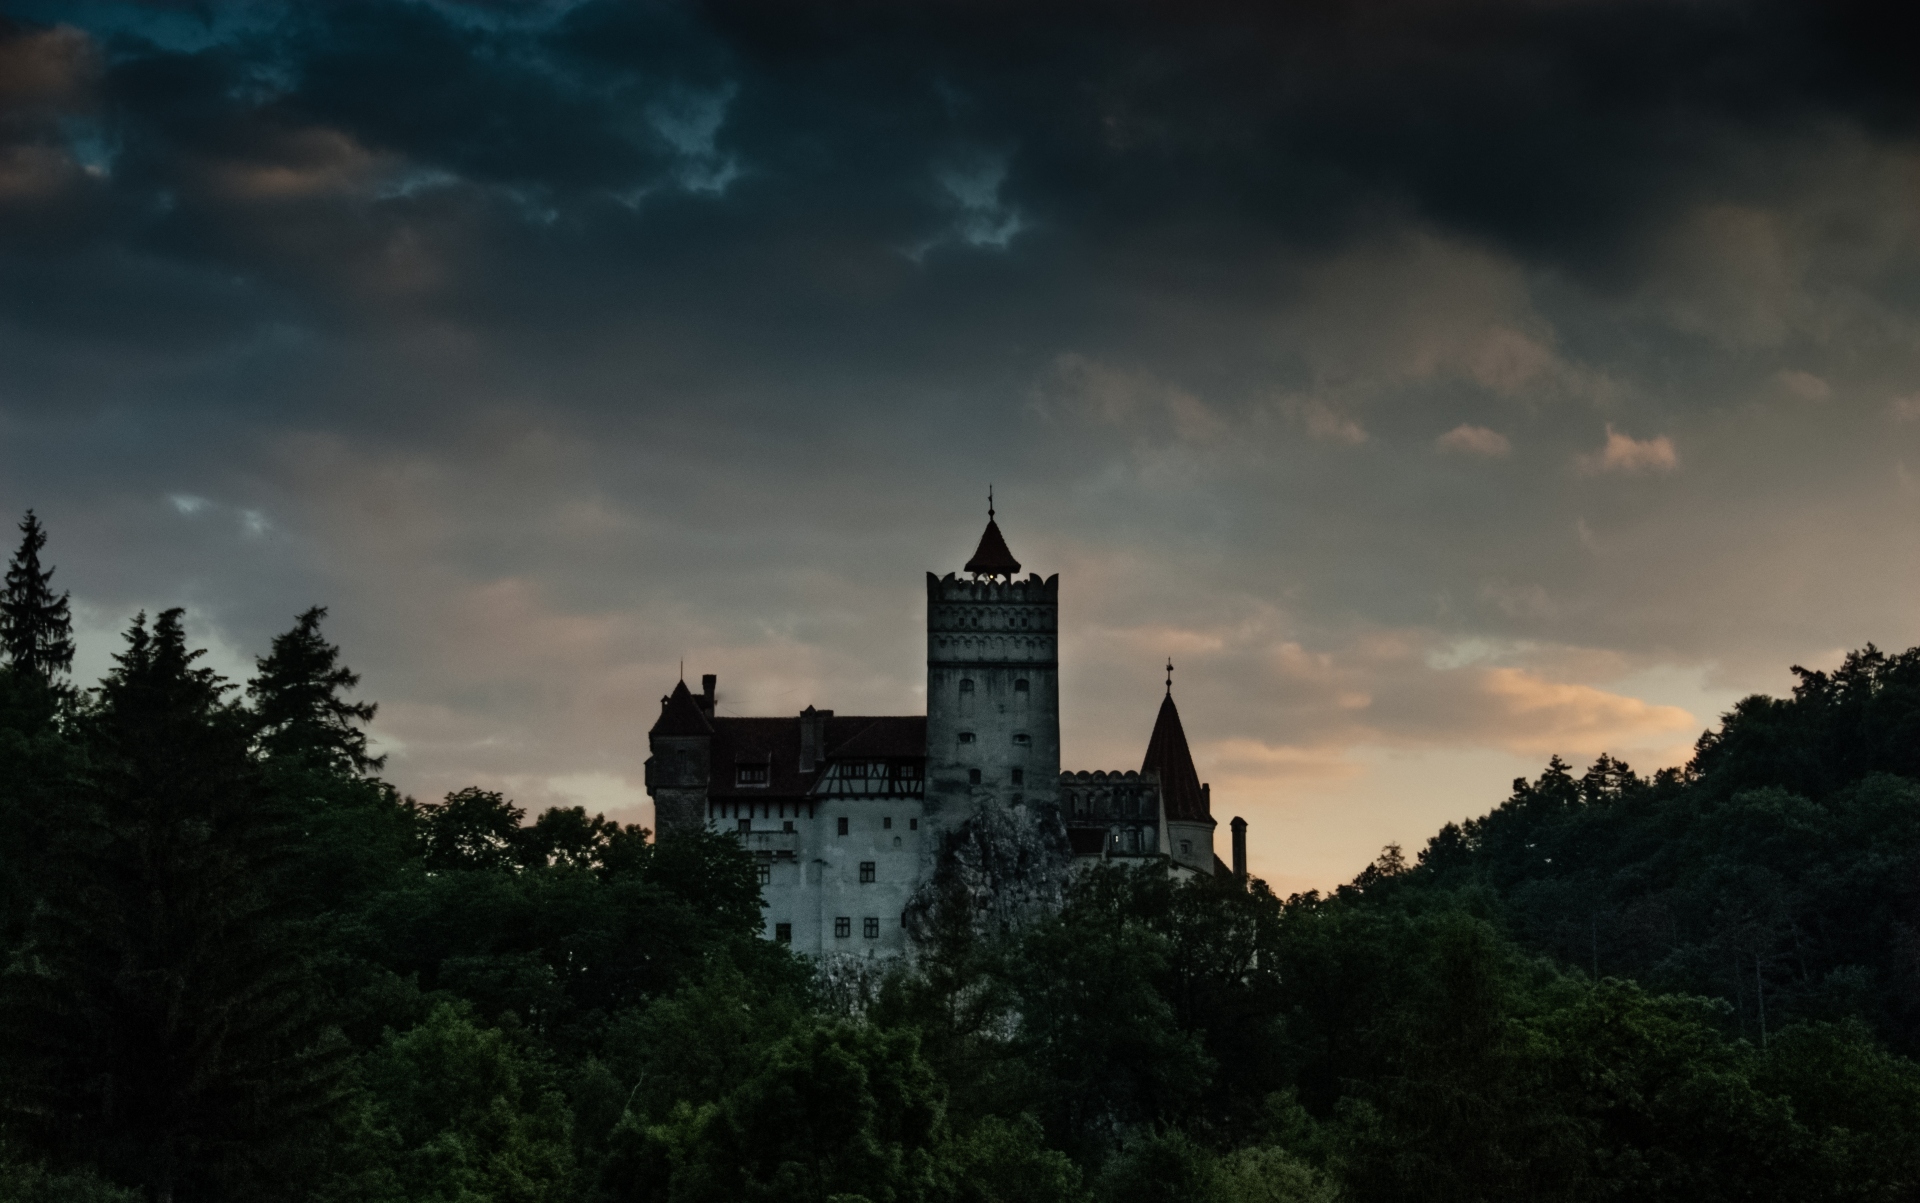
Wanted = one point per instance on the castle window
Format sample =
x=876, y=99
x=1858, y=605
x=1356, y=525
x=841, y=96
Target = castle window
x=1186, y=845
x=870, y=927
x=1020, y=686
x=966, y=737
x=746, y=825
x=1022, y=739
x=966, y=686
x=765, y=871
x=842, y=927
x=783, y=933
x=886, y=824
x=866, y=872
x=787, y=826
x=913, y=824
x=973, y=776
x=1019, y=776
x=751, y=774
x=842, y=821
x=896, y=841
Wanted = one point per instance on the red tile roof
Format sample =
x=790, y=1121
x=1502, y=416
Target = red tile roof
x=992, y=558
x=1168, y=756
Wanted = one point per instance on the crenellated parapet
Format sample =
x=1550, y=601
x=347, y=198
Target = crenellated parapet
x=985, y=621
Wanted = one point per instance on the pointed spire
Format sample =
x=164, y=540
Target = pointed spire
x=992, y=558
x=1168, y=756
x=680, y=714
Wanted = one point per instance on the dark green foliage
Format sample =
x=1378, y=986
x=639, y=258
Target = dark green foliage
x=834, y=1110
x=298, y=705
x=36, y=627
x=456, y=1111
x=1775, y=872
x=242, y=966
x=162, y=1027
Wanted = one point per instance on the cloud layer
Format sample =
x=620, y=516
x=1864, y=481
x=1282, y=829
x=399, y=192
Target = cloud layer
x=1440, y=384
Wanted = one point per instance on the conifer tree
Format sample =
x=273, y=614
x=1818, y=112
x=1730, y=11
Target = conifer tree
x=166, y=1033
x=36, y=627
x=297, y=700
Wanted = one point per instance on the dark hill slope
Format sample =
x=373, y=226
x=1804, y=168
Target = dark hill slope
x=1779, y=870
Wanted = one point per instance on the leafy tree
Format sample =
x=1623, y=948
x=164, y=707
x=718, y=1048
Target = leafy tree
x=458, y=1112
x=36, y=627
x=836, y=1110
x=1097, y=1032
x=473, y=829
x=1008, y=1161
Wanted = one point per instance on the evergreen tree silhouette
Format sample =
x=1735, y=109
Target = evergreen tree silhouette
x=162, y=1012
x=297, y=699
x=36, y=627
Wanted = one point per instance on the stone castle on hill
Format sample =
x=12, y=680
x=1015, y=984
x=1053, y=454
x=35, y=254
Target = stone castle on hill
x=860, y=823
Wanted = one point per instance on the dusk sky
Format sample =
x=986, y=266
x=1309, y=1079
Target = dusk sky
x=1441, y=385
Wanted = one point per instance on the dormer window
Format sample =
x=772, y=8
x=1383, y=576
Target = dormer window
x=751, y=774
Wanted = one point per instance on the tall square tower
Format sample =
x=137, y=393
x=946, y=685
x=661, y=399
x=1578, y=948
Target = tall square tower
x=993, y=687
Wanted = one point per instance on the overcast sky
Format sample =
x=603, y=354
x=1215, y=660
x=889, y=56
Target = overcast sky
x=1441, y=385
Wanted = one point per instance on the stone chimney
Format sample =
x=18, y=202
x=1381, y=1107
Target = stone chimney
x=1239, y=826
x=813, y=738
x=706, y=699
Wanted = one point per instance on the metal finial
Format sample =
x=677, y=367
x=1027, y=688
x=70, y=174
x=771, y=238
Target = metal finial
x=1169, y=676
x=683, y=670
x=989, y=503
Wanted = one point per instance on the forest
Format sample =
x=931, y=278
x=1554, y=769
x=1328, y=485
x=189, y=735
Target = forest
x=241, y=965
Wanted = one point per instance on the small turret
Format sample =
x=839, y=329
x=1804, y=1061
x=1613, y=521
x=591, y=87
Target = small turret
x=1187, y=802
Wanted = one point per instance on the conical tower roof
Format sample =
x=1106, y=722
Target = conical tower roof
x=992, y=558
x=680, y=714
x=1167, y=755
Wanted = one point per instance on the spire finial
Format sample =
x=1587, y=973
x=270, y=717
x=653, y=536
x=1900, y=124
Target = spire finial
x=989, y=502
x=683, y=670
x=1169, y=676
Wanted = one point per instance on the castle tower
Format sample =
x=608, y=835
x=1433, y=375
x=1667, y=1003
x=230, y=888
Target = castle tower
x=678, y=772
x=1186, y=802
x=993, y=687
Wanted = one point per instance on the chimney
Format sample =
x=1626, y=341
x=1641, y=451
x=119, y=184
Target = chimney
x=1239, y=826
x=707, y=683
x=813, y=738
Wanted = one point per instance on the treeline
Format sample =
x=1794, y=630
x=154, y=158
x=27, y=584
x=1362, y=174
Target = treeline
x=239, y=965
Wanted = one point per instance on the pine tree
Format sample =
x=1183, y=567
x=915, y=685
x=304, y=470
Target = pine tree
x=36, y=628
x=166, y=1032
x=297, y=700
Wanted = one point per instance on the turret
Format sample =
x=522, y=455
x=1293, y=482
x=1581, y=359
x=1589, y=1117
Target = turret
x=1186, y=802
x=679, y=769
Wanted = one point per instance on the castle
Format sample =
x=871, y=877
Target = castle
x=858, y=821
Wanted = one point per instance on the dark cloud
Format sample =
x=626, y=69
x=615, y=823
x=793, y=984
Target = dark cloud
x=551, y=342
